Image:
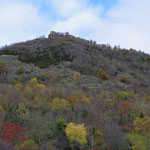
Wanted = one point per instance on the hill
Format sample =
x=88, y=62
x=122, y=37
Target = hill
x=47, y=80
x=88, y=58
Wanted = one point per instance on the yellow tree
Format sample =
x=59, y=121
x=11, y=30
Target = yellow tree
x=1, y=108
x=76, y=75
x=72, y=100
x=60, y=105
x=39, y=93
x=78, y=97
x=76, y=133
x=141, y=133
x=33, y=82
x=3, y=68
x=35, y=91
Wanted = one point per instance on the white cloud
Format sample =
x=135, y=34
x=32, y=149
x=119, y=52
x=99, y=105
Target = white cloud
x=68, y=8
x=125, y=24
x=79, y=18
x=20, y=21
x=130, y=24
x=80, y=24
x=65, y=8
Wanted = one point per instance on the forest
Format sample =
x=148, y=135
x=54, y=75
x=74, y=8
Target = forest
x=68, y=93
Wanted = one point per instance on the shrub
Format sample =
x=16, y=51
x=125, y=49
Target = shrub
x=6, y=146
x=72, y=100
x=122, y=96
x=61, y=124
x=12, y=133
x=76, y=75
x=123, y=79
x=28, y=144
x=21, y=70
x=14, y=82
x=46, y=77
x=59, y=105
x=3, y=68
x=102, y=75
x=1, y=108
x=42, y=64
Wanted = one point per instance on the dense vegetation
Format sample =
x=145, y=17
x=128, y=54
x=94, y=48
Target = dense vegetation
x=66, y=93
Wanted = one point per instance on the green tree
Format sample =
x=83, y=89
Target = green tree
x=141, y=115
x=61, y=124
x=20, y=70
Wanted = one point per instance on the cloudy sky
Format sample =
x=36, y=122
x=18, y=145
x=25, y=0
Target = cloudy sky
x=116, y=22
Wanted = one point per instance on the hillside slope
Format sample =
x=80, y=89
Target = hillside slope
x=68, y=93
x=87, y=58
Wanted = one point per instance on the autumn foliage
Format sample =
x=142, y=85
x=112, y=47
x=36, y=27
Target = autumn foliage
x=59, y=105
x=141, y=134
x=76, y=133
x=12, y=133
x=68, y=93
x=102, y=75
x=3, y=68
x=76, y=75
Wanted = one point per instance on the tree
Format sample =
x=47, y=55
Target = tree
x=22, y=112
x=34, y=82
x=142, y=126
x=102, y=75
x=72, y=100
x=6, y=146
x=122, y=96
x=1, y=108
x=28, y=144
x=95, y=137
x=141, y=115
x=114, y=137
x=3, y=68
x=20, y=70
x=141, y=134
x=76, y=75
x=59, y=105
x=76, y=133
x=61, y=124
x=137, y=142
x=12, y=133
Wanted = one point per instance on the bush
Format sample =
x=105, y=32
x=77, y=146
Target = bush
x=42, y=64
x=21, y=70
x=27, y=145
x=76, y=75
x=6, y=146
x=123, y=79
x=3, y=68
x=14, y=82
x=102, y=75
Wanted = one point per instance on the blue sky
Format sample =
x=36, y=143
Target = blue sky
x=116, y=22
x=105, y=3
